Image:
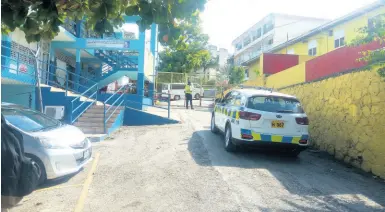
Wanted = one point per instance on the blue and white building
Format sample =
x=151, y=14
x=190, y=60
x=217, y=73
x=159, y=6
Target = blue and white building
x=73, y=68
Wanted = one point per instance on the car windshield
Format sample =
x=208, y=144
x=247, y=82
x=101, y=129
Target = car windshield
x=275, y=104
x=29, y=120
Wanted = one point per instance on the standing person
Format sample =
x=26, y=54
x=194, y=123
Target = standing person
x=19, y=174
x=188, y=92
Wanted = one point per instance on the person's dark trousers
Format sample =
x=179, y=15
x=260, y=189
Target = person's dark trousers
x=189, y=99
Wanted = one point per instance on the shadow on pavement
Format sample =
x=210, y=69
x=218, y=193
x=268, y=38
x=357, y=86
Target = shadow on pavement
x=58, y=181
x=307, y=175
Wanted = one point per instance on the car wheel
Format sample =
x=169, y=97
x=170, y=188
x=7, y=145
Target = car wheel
x=213, y=127
x=40, y=168
x=176, y=98
x=197, y=96
x=229, y=145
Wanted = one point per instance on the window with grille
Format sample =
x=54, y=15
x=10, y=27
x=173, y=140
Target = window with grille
x=22, y=54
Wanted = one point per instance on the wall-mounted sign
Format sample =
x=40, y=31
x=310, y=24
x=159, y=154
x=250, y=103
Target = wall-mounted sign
x=98, y=43
x=23, y=68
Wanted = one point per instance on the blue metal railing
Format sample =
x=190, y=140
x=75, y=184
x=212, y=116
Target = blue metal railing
x=73, y=111
x=49, y=78
x=117, y=103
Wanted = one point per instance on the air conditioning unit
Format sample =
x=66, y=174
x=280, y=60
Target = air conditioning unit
x=56, y=112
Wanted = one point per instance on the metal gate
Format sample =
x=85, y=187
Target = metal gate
x=204, y=88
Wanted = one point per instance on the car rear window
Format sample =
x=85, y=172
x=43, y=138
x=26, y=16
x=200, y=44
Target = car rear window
x=275, y=104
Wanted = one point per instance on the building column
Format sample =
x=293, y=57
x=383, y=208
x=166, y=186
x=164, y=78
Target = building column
x=77, y=70
x=140, y=80
x=52, y=59
x=154, y=51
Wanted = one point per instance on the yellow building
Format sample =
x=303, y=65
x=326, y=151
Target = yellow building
x=322, y=39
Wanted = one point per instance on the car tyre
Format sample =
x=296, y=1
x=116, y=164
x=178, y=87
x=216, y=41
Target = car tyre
x=229, y=144
x=41, y=169
x=197, y=96
x=213, y=127
x=177, y=97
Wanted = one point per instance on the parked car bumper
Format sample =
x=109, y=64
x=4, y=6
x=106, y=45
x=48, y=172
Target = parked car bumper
x=268, y=145
x=61, y=162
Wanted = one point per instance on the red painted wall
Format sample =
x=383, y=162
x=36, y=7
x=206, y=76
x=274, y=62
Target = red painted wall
x=339, y=60
x=274, y=63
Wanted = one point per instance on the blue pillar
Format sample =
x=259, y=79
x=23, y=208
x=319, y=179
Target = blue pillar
x=78, y=29
x=140, y=80
x=77, y=70
x=154, y=51
x=99, y=72
x=154, y=38
x=52, y=70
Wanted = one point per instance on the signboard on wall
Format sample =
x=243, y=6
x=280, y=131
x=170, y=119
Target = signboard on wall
x=23, y=68
x=98, y=43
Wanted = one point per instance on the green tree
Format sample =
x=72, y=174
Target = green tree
x=236, y=75
x=188, y=52
x=40, y=19
x=375, y=31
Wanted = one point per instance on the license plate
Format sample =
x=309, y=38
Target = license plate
x=277, y=124
x=86, y=154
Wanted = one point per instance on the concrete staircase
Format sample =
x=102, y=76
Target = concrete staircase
x=91, y=122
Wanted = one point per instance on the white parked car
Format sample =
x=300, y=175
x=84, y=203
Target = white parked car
x=262, y=118
x=176, y=90
x=58, y=149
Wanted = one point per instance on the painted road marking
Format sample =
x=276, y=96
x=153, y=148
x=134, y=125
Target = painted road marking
x=59, y=187
x=87, y=184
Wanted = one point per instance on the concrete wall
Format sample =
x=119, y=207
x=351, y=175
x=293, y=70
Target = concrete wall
x=347, y=117
x=291, y=76
x=342, y=59
x=19, y=94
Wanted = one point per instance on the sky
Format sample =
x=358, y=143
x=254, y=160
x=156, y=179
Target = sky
x=225, y=20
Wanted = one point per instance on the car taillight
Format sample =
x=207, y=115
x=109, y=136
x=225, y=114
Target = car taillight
x=249, y=116
x=302, y=121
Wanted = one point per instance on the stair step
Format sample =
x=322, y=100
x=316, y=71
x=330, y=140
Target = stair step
x=99, y=115
x=92, y=130
x=92, y=124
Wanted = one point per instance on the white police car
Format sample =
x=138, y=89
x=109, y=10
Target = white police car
x=262, y=118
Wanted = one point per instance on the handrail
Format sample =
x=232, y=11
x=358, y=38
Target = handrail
x=43, y=62
x=106, y=111
x=73, y=120
x=82, y=94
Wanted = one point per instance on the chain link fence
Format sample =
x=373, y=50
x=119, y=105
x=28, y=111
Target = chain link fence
x=205, y=87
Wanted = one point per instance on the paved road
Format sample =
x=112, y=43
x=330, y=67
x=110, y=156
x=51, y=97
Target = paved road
x=184, y=168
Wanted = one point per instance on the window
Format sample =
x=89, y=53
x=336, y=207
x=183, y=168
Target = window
x=247, y=74
x=270, y=42
x=177, y=86
x=339, y=43
x=29, y=120
x=247, y=41
x=257, y=34
x=230, y=97
x=312, y=47
x=268, y=27
x=313, y=52
x=238, y=46
x=339, y=39
x=275, y=104
x=291, y=51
